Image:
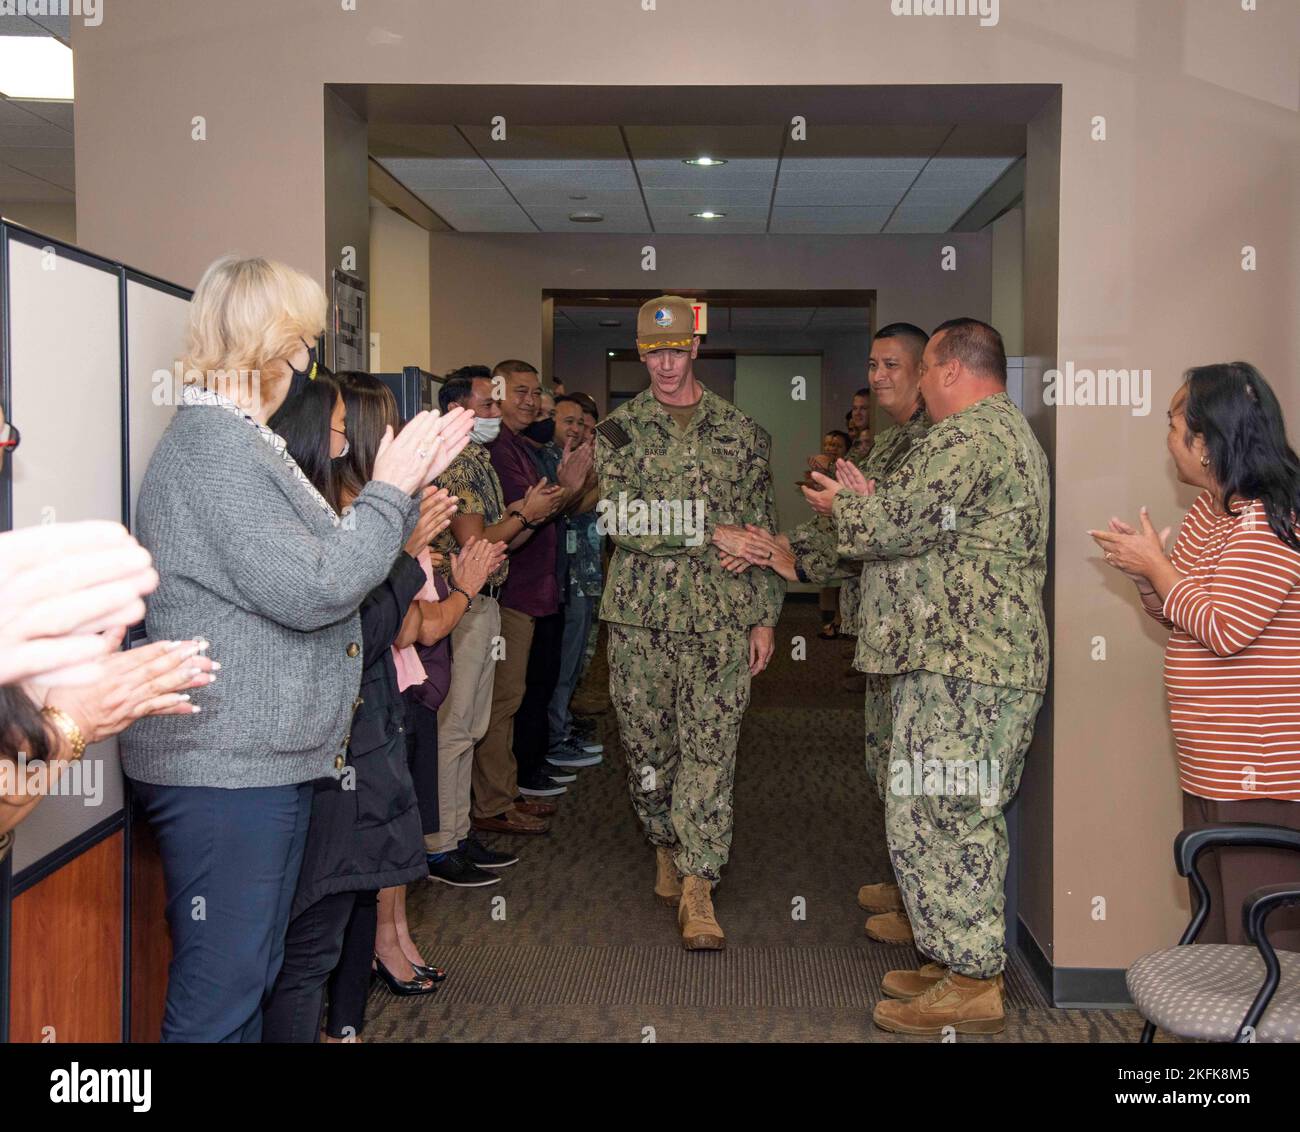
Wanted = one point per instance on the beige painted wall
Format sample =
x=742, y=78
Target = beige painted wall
x=486, y=289
x=399, y=290
x=1200, y=158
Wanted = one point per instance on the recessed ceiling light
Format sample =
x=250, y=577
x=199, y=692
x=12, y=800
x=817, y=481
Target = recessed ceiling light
x=703, y=161
x=708, y=215
x=35, y=67
x=586, y=217
x=609, y=322
x=578, y=196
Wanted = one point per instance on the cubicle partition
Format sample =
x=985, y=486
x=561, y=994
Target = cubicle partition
x=87, y=347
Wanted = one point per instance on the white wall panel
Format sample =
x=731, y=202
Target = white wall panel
x=155, y=327
x=65, y=396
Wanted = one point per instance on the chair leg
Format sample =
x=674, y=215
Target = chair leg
x=1148, y=1034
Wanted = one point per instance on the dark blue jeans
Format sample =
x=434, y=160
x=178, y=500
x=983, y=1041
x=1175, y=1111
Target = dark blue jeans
x=230, y=863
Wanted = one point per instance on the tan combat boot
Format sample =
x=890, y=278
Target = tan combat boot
x=700, y=930
x=969, y=1006
x=880, y=898
x=909, y=984
x=668, y=885
x=890, y=927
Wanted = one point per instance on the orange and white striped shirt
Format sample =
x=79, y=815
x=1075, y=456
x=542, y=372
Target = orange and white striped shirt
x=1232, y=665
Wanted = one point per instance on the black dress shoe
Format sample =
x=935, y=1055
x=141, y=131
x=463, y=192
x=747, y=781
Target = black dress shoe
x=479, y=854
x=435, y=974
x=401, y=988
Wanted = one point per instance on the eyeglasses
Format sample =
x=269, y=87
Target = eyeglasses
x=10, y=437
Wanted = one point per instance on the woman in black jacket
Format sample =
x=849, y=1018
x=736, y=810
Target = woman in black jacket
x=365, y=824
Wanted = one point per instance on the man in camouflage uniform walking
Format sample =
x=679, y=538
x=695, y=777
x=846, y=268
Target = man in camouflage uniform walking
x=957, y=623
x=685, y=635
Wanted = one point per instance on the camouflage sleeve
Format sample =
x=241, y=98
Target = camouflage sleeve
x=921, y=505
x=759, y=508
x=815, y=549
x=620, y=486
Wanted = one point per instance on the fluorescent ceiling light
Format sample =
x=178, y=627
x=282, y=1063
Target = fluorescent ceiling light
x=704, y=161
x=709, y=215
x=35, y=66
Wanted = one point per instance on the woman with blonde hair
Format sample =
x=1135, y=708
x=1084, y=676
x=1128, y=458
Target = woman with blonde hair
x=253, y=558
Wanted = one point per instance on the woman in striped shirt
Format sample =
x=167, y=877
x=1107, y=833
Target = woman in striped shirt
x=1230, y=594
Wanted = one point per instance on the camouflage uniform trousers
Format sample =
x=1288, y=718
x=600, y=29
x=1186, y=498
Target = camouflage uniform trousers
x=949, y=850
x=679, y=699
x=880, y=731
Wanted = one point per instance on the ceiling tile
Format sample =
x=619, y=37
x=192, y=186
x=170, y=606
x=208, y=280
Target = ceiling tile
x=746, y=173
x=616, y=220
x=787, y=218
x=418, y=173
x=811, y=187
x=560, y=197
x=694, y=200
x=677, y=142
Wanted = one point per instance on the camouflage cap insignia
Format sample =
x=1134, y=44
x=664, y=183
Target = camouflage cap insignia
x=614, y=434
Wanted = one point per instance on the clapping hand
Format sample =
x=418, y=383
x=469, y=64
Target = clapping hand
x=850, y=476
x=821, y=496
x=62, y=586
x=151, y=679
x=575, y=464
x=437, y=506
x=1138, y=553
x=475, y=562
x=424, y=449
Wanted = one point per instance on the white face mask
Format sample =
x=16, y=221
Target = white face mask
x=486, y=429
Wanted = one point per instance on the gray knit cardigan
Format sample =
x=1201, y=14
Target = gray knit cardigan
x=249, y=560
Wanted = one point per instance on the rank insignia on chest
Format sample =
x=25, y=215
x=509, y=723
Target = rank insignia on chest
x=614, y=434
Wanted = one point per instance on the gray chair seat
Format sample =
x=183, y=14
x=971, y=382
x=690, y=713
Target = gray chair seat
x=1203, y=991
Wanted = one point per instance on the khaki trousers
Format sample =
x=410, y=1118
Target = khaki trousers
x=463, y=719
x=495, y=775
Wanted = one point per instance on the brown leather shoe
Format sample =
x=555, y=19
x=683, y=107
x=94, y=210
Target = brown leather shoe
x=909, y=984
x=969, y=1006
x=512, y=821
x=668, y=885
x=880, y=898
x=536, y=809
x=700, y=929
x=890, y=927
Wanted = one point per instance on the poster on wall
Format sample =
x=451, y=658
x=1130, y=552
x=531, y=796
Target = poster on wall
x=349, y=333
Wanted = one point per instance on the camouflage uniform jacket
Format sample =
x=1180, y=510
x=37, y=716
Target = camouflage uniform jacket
x=815, y=542
x=675, y=580
x=961, y=527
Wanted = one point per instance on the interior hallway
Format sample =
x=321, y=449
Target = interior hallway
x=585, y=952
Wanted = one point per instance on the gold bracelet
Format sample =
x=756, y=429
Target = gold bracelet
x=69, y=728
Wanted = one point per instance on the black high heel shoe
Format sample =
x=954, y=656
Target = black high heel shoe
x=436, y=974
x=402, y=988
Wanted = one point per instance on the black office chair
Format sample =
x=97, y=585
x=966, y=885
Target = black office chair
x=1224, y=992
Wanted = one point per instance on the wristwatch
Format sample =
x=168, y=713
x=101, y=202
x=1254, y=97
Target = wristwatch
x=798, y=572
x=69, y=729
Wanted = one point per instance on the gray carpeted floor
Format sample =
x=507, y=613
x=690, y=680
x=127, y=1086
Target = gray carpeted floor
x=573, y=946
